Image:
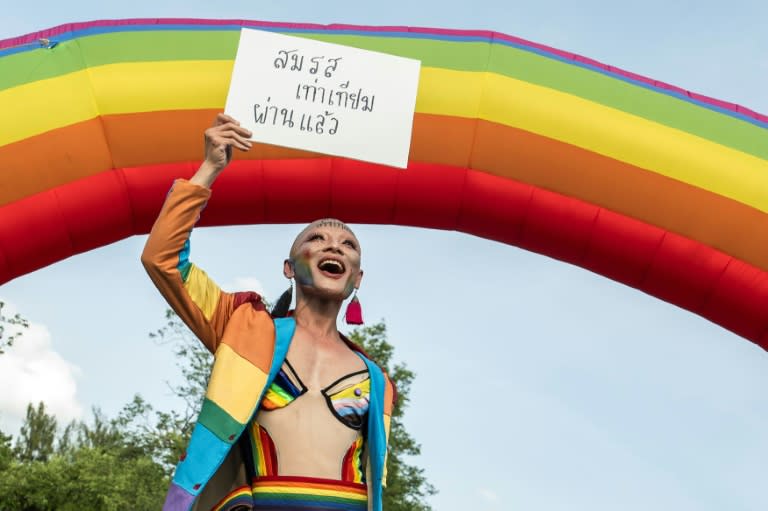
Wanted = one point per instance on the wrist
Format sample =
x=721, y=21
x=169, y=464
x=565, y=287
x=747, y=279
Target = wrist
x=205, y=175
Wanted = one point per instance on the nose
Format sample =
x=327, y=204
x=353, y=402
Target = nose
x=333, y=246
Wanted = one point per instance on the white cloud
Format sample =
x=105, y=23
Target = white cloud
x=32, y=371
x=488, y=495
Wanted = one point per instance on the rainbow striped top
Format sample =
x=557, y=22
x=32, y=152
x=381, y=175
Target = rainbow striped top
x=297, y=494
x=347, y=401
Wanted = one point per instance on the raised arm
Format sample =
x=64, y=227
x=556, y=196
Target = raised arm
x=189, y=291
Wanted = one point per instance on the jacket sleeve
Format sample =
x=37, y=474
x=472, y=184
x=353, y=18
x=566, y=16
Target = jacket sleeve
x=198, y=301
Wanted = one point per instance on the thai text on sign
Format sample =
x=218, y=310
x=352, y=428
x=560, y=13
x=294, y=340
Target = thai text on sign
x=323, y=97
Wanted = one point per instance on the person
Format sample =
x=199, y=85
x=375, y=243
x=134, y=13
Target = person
x=295, y=415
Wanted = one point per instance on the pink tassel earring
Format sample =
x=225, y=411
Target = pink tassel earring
x=354, y=313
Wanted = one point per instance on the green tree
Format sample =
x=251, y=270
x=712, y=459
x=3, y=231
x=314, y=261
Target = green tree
x=407, y=486
x=6, y=451
x=37, y=435
x=87, y=478
x=95, y=465
x=159, y=434
x=6, y=341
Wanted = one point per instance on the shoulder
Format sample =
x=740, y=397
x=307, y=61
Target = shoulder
x=248, y=298
x=390, y=392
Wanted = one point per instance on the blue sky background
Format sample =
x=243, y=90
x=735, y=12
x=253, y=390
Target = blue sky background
x=540, y=386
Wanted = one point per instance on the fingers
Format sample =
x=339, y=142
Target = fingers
x=222, y=118
x=229, y=134
x=225, y=121
x=230, y=126
x=238, y=140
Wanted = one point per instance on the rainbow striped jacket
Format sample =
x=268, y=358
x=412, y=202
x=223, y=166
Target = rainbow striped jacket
x=249, y=347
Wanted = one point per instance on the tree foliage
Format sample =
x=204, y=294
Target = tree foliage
x=6, y=451
x=92, y=466
x=16, y=321
x=37, y=436
x=87, y=478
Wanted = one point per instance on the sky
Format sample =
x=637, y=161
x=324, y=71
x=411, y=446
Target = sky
x=540, y=386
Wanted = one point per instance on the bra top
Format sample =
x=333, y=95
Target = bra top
x=348, y=402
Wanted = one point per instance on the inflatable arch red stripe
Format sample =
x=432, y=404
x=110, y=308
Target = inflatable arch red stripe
x=63, y=221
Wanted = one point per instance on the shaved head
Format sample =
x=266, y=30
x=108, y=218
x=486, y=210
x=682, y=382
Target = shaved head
x=323, y=222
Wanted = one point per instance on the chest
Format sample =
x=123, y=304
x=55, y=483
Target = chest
x=321, y=363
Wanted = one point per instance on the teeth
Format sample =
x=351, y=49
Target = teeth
x=331, y=262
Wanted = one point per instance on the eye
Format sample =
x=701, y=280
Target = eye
x=315, y=237
x=351, y=244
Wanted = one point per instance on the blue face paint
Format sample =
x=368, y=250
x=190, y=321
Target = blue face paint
x=302, y=269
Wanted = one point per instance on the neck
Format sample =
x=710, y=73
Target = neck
x=318, y=317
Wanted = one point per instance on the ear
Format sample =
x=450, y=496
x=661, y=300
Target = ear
x=288, y=268
x=358, y=279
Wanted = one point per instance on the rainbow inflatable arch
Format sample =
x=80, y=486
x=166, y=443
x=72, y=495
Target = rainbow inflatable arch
x=650, y=185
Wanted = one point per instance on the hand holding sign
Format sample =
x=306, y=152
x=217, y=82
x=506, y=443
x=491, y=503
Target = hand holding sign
x=324, y=97
x=220, y=138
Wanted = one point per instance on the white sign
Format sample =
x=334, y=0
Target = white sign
x=324, y=97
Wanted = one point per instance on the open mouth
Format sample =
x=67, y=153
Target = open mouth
x=331, y=266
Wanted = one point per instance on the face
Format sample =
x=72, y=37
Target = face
x=325, y=260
